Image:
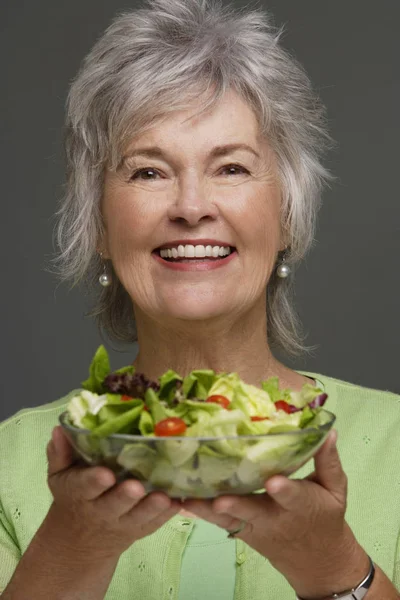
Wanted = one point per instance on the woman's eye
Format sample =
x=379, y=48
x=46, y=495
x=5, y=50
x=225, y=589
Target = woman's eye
x=234, y=170
x=144, y=174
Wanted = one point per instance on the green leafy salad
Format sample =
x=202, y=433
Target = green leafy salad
x=169, y=416
x=202, y=404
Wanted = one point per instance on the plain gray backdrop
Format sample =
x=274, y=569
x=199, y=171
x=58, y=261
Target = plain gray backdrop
x=348, y=289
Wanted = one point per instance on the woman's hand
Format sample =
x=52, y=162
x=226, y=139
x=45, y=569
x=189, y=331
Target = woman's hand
x=299, y=526
x=92, y=513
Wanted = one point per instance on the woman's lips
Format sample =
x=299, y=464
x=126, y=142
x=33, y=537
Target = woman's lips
x=195, y=264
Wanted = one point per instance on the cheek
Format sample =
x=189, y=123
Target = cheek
x=130, y=224
x=258, y=217
x=125, y=225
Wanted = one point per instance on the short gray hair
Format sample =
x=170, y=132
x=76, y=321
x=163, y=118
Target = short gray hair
x=134, y=75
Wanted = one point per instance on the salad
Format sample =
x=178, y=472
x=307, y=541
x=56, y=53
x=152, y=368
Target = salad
x=169, y=416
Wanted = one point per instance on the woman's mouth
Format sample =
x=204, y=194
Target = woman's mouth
x=191, y=257
x=189, y=252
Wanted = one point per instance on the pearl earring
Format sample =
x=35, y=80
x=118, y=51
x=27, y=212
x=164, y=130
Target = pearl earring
x=105, y=278
x=283, y=270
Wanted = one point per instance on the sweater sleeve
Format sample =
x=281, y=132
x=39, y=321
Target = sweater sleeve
x=9, y=552
x=396, y=570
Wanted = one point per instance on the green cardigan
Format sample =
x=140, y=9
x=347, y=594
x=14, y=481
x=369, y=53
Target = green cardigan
x=368, y=422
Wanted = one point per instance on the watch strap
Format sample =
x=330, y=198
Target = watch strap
x=357, y=593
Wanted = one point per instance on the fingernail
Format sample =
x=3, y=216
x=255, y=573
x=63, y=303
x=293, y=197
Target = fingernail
x=135, y=491
x=273, y=487
x=105, y=480
x=223, y=508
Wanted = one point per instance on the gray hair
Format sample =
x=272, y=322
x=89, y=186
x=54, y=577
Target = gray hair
x=134, y=75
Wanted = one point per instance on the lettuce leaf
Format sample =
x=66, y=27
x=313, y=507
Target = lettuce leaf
x=198, y=383
x=120, y=422
x=189, y=386
x=305, y=396
x=129, y=369
x=307, y=415
x=168, y=383
x=157, y=410
x=252, y=401
x=82, y=406
x=178, y=451
x=214, y=469
x=90, y=421
x=225, y=385
x=271, y=386
x=98, y=371
x=138, y=458
x=146, y=423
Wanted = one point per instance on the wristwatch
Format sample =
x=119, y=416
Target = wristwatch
x=357, y=593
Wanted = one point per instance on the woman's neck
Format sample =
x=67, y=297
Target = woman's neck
x=240, y=347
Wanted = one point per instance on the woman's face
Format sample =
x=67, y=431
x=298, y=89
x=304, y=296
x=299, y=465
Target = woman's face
x=188, y=184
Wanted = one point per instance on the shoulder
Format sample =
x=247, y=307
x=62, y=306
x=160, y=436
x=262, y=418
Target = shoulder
x=40, y=412
x=354, y=391
x=28, y=431
x=376, y=408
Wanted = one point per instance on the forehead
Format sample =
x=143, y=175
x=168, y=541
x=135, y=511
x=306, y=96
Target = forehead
x=230, y=121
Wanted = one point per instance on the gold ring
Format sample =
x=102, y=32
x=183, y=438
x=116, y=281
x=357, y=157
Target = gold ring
x=231, y=534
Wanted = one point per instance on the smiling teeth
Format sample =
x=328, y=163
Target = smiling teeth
x=190, y=251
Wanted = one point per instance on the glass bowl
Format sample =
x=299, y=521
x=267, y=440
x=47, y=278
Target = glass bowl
x=200, y=467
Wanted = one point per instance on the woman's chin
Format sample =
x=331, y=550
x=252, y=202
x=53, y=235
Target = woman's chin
x=199, y=311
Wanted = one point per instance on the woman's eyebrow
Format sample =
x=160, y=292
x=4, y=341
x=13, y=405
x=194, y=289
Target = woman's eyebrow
x=157, y=152
x=151, y=152
x=228, y=148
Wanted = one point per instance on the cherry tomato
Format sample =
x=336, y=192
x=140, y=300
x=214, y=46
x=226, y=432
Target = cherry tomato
x=259, y=418
x=282, y=405
x=170, y=426
x=125, y=398
x=221, y=400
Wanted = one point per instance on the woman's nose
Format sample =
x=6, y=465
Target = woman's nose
x=192, y=204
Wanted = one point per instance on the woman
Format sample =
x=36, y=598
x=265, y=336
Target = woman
x=193, y=145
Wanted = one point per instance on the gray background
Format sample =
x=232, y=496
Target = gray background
x=347, y=290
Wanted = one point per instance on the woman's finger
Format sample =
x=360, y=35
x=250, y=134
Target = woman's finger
x=121, y=498
x=59, y=452
x=328, y=469
x=328, y=473
x=164, y=516
x=89, y=483
x=204, y=509
x=288, y=493
x=244, y=508
x=148, y=509
x=86, y=483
